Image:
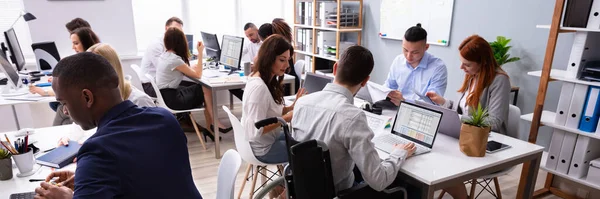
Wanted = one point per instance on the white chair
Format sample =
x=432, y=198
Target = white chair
x=243, y=147
x=298, y=67
x=228, y=169
x=133, y=72
x=161, y=103
x=514, y=114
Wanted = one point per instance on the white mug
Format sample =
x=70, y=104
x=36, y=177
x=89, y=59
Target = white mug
x=25, y=162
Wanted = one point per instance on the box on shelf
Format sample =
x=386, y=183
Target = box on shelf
x=325, y=8
x=594, y=172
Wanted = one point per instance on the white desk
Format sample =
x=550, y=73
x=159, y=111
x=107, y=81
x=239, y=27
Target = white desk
x=12, y=103
x=215, y=87
x=46, y=138
x=446, y=165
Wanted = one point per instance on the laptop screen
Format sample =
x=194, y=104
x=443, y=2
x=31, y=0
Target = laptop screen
x=315, y=83
x=417, y=123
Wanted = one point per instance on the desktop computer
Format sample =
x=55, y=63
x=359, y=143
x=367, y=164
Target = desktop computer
x=231, y=52
x=211, y=46
x=16, y=55
x=14, y=80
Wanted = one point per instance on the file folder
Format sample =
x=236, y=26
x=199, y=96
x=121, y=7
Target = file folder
x=566, y=153
x=576, y=106
x=577, y=13
x=576, y=56
x=591, y=110
x=554, y=149
x=562, y=110
x=594, y=16
x=586, y=150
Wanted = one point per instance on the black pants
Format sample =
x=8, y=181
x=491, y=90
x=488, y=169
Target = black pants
x=186, y=96
x=148, y=89
x=413, y=192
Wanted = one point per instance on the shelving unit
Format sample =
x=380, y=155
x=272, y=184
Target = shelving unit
x=341, y=14
x=540, y=117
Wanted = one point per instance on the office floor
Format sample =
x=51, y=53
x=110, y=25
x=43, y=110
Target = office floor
x=204, y=168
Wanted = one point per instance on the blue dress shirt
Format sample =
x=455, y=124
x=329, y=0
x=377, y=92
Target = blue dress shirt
x=429, y=75
x=135, y=153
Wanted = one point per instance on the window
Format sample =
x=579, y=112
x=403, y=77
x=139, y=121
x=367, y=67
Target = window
x=149, y=17
x=9, y=11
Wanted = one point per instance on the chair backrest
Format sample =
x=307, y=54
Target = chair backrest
x=133, y=71
x=298, y=66
x=159, y=98
x=241, y=143
x=228, y=169
x=514, y=115
x=311, y=170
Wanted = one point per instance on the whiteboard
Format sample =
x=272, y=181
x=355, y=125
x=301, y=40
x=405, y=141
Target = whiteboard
x=435, y=17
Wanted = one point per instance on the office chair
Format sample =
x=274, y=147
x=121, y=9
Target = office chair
x=228, y=170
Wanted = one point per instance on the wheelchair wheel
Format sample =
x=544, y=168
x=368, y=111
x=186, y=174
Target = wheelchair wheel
x=264, y=192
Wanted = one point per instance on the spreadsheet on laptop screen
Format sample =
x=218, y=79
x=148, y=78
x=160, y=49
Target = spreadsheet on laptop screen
x=416, y=122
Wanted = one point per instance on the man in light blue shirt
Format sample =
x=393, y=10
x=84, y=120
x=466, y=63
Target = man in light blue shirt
x=416, y=70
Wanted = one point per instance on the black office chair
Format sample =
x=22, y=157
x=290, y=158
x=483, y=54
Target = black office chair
x=309, y=174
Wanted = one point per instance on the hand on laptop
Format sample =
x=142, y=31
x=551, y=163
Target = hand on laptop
x=49, y=191
x=396, y=96
x=65, y=178
x=435, y=97
x=410, y=148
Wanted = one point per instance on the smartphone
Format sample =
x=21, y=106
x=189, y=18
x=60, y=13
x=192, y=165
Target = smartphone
x=493, y=147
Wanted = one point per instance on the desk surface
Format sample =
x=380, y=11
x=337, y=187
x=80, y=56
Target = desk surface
x=4, y=101
x=446, y=161
x=209, y=74
x=46, y=138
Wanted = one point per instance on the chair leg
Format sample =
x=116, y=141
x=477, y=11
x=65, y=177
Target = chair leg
x=498, y=193
x=197, y=131
x=280, y=169
x=244, y=182
x=473, y=186
x=442, y=194
x=254, y=178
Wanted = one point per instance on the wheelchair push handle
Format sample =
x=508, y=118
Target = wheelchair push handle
x=269, y=121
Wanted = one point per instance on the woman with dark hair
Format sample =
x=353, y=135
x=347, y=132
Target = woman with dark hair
x=172, y=66
x=83, y=38
x=279, y=27
x=263, y=98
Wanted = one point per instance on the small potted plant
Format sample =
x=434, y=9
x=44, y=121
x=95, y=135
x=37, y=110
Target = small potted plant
x=5, y=165
x=474, y=133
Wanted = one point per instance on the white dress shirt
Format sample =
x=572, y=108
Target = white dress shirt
x=140, y=98
x=251, y=51
x=331, y=117
x=150, y=59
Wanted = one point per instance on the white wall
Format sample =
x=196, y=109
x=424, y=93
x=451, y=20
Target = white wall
x=111, y=20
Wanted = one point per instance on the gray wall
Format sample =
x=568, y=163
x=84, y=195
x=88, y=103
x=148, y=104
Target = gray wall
x=515, y=19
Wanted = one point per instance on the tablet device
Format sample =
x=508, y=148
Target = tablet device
x=423, y=97
x=493, y=147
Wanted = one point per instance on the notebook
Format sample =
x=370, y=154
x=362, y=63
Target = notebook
x=61, y=156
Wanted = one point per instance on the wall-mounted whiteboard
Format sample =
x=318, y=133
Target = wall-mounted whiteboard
x=435, y=17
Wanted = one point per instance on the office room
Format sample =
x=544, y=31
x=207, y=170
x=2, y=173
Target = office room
x=299, y=99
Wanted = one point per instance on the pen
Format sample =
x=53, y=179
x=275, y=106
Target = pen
x=36, y=180
x=17, y=147
x=26, y=143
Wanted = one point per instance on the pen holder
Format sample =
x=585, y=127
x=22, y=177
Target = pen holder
x=24, y=163
x=6, y=170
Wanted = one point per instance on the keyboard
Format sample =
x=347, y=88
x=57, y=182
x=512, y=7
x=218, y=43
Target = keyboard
x=27, y=195
x=386, y=143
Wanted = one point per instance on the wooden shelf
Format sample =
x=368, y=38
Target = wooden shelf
x=548, y=120
x=316, y=55
x=577, y=180
x=352, y=29
x=560, y=75
x=569, y=29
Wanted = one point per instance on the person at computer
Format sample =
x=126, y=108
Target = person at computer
x=127, y=135
x=415, y=70
x=263, y=98
x=485, y=83
x=251, y=48
x=280, y=27
x=83, y=38
x=171, y=67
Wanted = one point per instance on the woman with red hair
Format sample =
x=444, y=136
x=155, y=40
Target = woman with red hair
x=485, y=84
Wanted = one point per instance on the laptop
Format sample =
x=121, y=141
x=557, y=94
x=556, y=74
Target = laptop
x=450, y=124
x=414, y=123
x=314, y=83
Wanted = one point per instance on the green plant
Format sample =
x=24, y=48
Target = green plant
x=500, y=49
x=478, y=117
x=4, y=154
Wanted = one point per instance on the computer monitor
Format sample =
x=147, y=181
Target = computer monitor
x=417, y=123
x=231, y=51
x=16, y=55
x=14, y=80
x=315, y=82
x=211, y=46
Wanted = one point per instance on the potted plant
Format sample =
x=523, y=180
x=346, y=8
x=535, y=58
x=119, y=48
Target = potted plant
x=500, y=49
x=5, y=165
x=474, y=133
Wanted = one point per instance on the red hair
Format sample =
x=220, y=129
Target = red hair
x=477, y=49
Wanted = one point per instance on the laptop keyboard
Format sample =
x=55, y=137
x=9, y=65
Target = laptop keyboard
x=387, y=142
x=27, y=195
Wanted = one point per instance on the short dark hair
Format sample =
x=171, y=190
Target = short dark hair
x=354, y=66
x=265, y=31
x=86, y=70
x=87, y=37
x=173, y=19
x=77, y=23
x=248, y=26
x=415, y=34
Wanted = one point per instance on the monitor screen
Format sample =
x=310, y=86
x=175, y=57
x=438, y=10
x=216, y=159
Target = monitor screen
x=11, y=73
x=231, y=51
x=15, y=49
x=315, y=83
x=211, y=45
x=417, y=123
